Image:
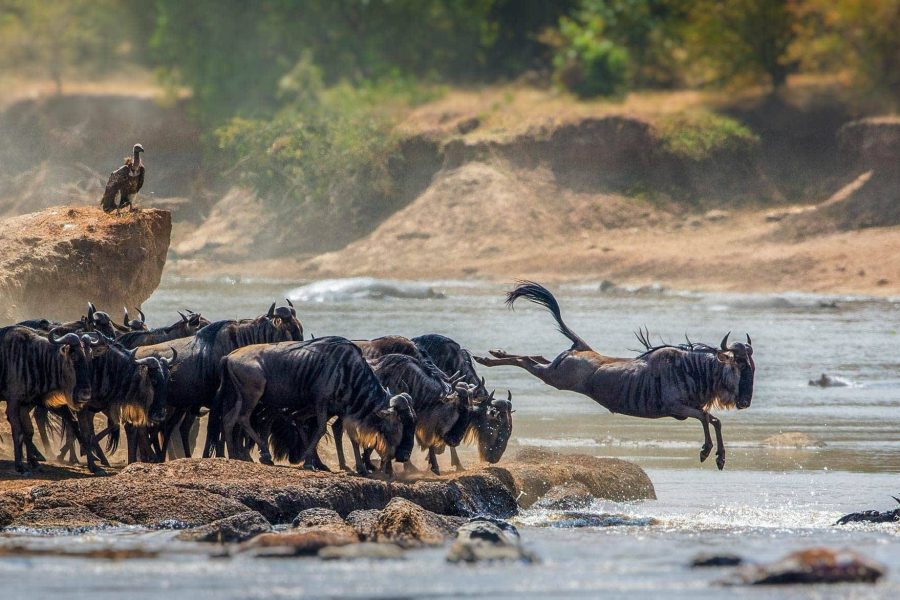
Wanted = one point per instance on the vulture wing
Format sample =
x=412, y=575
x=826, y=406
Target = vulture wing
x=117, y=180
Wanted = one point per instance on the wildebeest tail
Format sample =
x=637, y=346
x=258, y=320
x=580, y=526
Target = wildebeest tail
x=535, y=292
x=47, y=423
x=115, y=432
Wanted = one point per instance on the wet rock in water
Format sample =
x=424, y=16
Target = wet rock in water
x=872, y=516
x=410, y=525
x=19, y=550
x=67, y=518
x=829, y=381
x=716, y=560
x=312, y=517
x=363, y=522
x=716, y=215
x=236, y=528
x=792, y=439
x=486, y=540
x=571, y=495
x=302, y=542
x=567, y=519
x=534, y=471
x=363, y=550
x=815, y=565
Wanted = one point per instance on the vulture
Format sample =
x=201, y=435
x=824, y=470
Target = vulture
x=127, y=180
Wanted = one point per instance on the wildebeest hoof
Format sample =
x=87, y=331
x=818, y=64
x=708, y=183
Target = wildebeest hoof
x=497, y=353
x=100, y=472
x=720, y=461
x=266, y=460
x=704, y=452
x=309, y=467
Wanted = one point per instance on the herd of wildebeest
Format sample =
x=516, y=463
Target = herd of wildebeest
x=266, y=388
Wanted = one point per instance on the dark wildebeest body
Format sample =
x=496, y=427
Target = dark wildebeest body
x=186, y=327
x=34, y=370
x=320, y=379
x=195, y=373
x=488, y=421
x=437, y=404
x=127, y=390
x=42, y=325
x=667, y=381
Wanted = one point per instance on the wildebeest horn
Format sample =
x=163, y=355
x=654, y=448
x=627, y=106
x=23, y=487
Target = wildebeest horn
x=92, y=340
x=271, y=312
x=482, y=381
x=491, y=395
x=143, y=318
x=180, y=314
x=71, y=339
x=508, y=396
x=504, y=404
x=749, y=343
x=725, y=341
x=127, y=320
x=174, y=355
x=91, y=311
x=291, y=304
x=133, y=353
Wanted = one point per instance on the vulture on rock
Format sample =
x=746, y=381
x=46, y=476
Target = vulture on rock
x=127, y=180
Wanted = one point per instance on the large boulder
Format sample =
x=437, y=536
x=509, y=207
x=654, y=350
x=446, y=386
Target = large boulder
x=236, y=528
x=408, y=524
x=55, y=261
x=814, y=565
x=487, y=540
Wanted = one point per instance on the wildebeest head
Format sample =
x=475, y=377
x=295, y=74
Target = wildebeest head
x=397, y=426
x=100, y=321
x=135, y=324
x=72, y=349
x=740, y=355
x=191, y=322
x=491, y=425
x=157, y=372
x=285, y=323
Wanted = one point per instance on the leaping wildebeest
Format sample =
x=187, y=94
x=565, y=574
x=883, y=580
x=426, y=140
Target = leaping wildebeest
x=665, y=381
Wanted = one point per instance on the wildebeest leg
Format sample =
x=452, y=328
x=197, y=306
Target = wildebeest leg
x=360, y=463
x=720, y=445
x=131, y=439
x=184, y=429
x=454, y=459
x=42, y=431
x=15, y=425
x=367, y=458
x=538, y=366
x=680, y=411
x=265, y=457
x=310, y=452
x=433, y=462
x=169, y=427
x=31, y=450
x=86, y=428
x=387, y=466
x=337, y=430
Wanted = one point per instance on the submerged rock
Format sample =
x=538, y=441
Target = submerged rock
x=236, y=528
x=571, y=495
x=826, y=380
x=487, y=540
x=792, y=439
x=814, y=565
x=363, y=550
x=363, y=521
x=312, y=517
x=306, y=542
x=872, y=516
x=567, y=519
x=409, y=525
x=716, y=560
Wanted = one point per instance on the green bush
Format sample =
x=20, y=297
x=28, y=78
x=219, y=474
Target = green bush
x=698, y=135
x=587, y=63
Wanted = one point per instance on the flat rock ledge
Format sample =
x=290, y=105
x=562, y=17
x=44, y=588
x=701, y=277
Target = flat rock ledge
x=190, y=493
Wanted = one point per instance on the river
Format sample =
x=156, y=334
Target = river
x=765, y=503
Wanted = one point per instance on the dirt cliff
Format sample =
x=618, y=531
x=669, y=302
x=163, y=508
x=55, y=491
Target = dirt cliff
x=55, y=261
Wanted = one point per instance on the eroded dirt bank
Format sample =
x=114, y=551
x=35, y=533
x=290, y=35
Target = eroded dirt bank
x=56, y=260
x=194, y=492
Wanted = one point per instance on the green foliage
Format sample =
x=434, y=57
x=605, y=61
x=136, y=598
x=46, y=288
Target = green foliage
x=743, y=39
x=587, y=63
x=698, y=135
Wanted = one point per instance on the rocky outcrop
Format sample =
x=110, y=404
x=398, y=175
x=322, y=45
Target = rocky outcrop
x=572, y=495
x=194, y=492
x=814, y=565
x=235, y=528
x=55, y=261
x=483, y=540
x=408, y=525
x=535, y=472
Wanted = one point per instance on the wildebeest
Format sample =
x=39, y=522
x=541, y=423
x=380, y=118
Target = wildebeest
x=43, y=325
x=135, y=324
x=666, y=381
x=34, y=370
x=489, y=420
x=195, y=373
x=439, y=404
x=127, y=389
x=319, y=379
x=187, y=326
